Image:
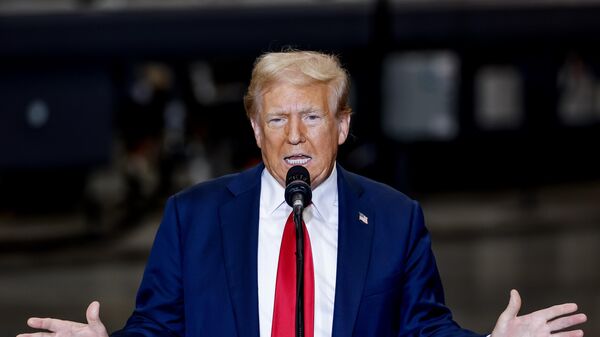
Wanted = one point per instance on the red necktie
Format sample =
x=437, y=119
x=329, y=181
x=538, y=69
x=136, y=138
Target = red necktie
x=284, y=310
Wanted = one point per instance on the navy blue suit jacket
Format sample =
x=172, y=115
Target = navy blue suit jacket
x=201, y=277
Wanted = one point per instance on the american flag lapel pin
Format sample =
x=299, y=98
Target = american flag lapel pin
x=363, y=218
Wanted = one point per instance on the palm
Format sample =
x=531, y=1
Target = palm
x=542, y=323
x=522, y=326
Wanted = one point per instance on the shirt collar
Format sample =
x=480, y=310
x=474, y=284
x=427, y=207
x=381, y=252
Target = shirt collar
x=324, y=197
x=272, y=193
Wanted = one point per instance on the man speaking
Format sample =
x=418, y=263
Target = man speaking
x=223, y=261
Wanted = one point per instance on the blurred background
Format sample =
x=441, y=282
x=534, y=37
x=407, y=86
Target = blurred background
x=488, y=112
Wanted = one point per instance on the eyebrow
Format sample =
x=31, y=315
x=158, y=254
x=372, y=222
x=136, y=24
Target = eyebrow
x=311, y=110
x=282, y=112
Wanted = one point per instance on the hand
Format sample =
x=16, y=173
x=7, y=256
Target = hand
x=542, y=323
x=60, y=328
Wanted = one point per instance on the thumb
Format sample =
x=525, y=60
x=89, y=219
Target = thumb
x=92, y=313
x=514, y=304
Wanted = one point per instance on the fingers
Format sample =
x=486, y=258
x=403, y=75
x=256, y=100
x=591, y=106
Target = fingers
x=37, y=334
x=574, y=333
x=35, y=322
x=557, y=310
x=46, y=323
x=92, y=314
x=59, y=327
x=566, y=322
x=514, y=304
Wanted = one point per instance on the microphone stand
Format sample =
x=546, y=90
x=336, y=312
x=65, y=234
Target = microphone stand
x=299, y=270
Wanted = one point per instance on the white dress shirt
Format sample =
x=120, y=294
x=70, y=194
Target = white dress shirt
x=321, y=219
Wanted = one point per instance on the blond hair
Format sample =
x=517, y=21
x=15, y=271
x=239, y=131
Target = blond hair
x=299, y=68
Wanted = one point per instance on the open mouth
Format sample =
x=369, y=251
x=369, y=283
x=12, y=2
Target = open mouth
x=297, y=159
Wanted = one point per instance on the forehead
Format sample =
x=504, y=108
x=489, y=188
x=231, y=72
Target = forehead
x=283, y=97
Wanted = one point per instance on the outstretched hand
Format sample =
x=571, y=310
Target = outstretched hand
x=542, y=323
x=60, y=328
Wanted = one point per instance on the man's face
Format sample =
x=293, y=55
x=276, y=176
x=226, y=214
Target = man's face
x=296, y=127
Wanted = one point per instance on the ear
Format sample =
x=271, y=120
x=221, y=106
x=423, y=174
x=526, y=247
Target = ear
x=257, y=128
x=343, y=127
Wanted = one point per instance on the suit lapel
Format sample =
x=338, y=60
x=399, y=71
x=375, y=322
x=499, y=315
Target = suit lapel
x=355, y=234
x=239, y=225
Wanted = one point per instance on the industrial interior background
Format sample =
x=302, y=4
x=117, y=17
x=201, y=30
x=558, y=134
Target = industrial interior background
x=488, y=112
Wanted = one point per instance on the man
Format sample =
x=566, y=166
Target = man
x=214, y=270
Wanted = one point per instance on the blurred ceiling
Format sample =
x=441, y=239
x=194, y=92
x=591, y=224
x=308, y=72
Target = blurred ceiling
x=8, y=7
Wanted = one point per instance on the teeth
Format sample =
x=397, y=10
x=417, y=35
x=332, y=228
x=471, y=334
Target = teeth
x=297, y=161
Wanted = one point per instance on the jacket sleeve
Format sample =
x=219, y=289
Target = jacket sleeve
x=423, y=312
x=159, y=310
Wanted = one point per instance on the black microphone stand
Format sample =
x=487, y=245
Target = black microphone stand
x=299, y=270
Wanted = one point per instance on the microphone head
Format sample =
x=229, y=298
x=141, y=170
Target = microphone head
x=297, y=182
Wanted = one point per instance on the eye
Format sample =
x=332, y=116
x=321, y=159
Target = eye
x=276, y=121
x=312, y=117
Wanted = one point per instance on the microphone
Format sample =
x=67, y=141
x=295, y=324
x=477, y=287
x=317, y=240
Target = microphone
x=297, y=188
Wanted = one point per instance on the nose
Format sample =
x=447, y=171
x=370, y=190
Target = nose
x=295, y=131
